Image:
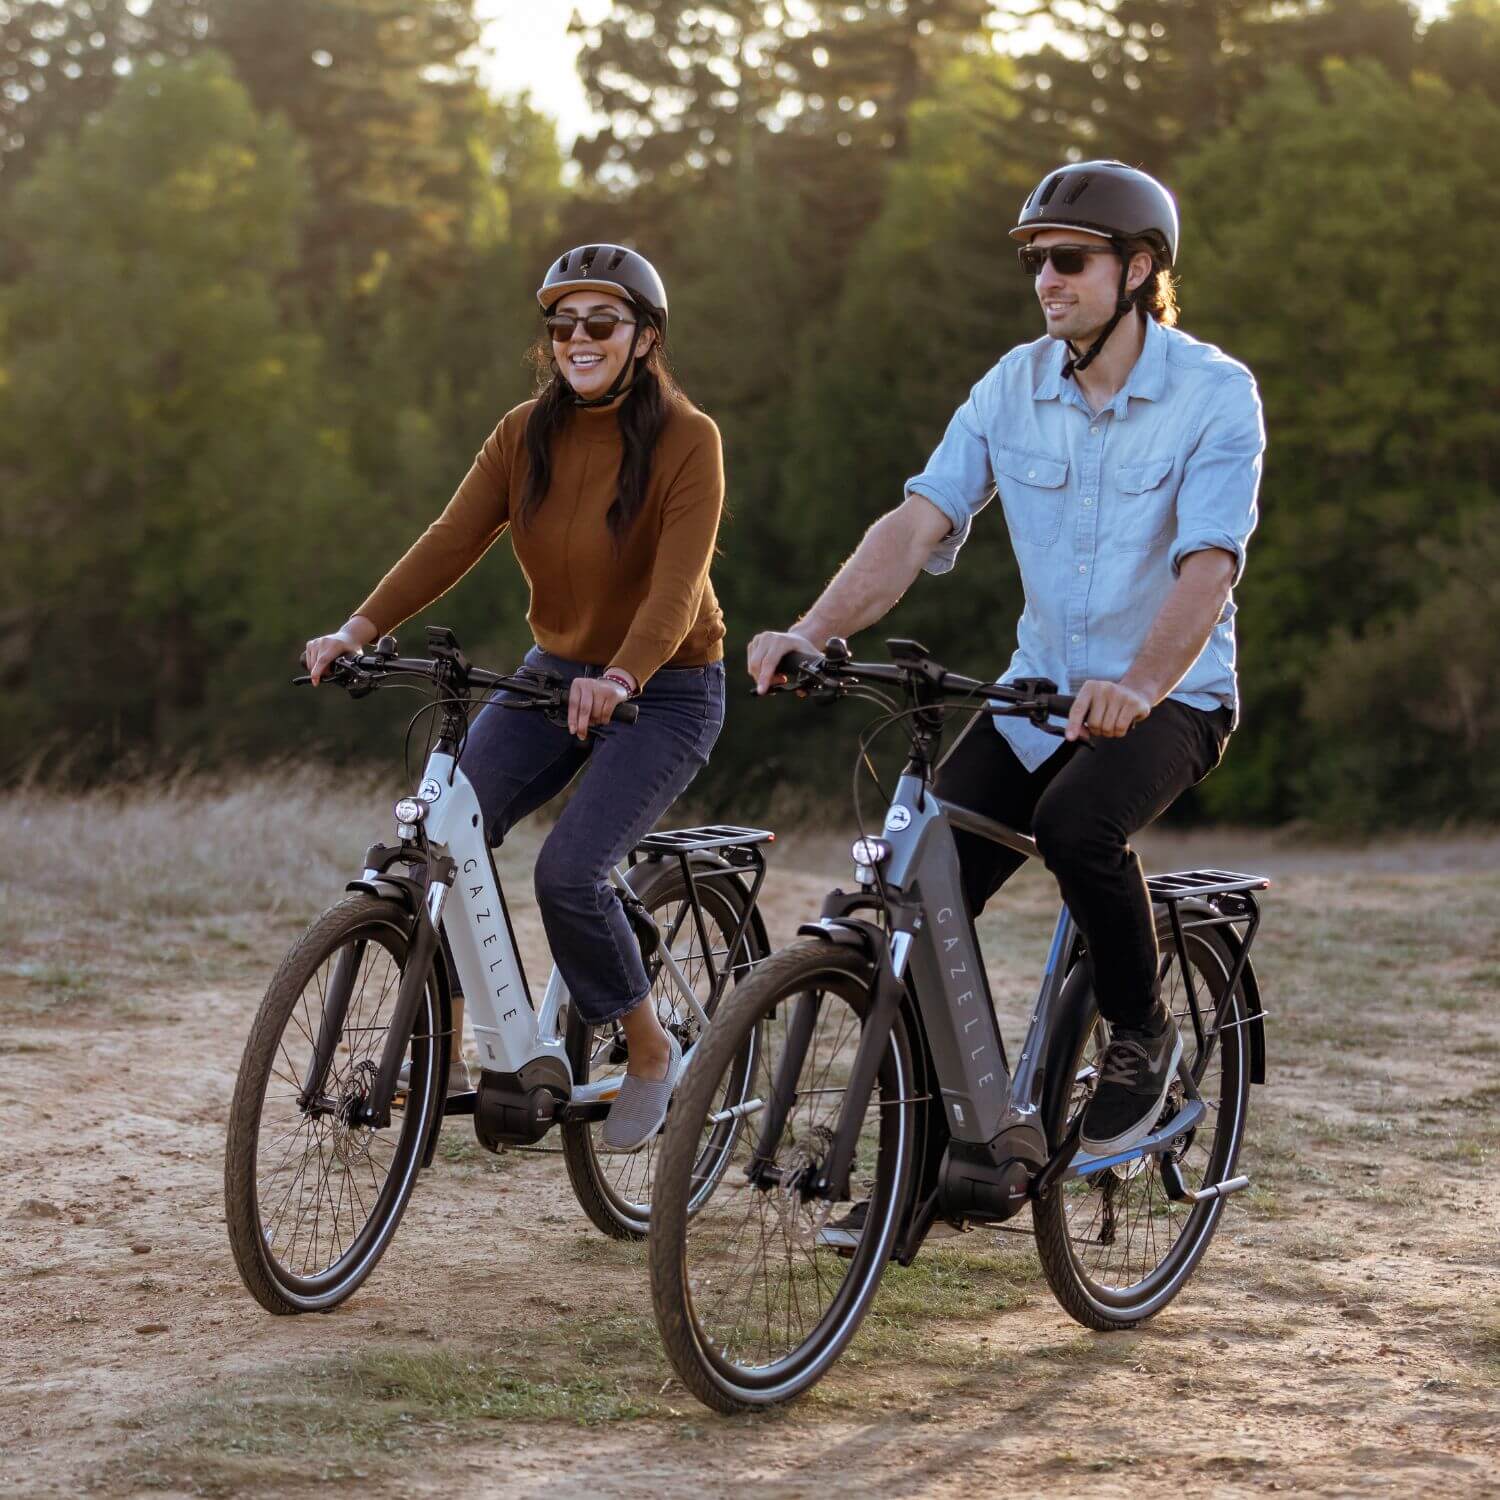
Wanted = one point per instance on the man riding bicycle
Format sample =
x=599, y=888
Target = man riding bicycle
x=1127, y=458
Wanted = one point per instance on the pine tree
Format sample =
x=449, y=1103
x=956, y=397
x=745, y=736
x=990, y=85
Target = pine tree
x=1142, y=80
x=686, y=85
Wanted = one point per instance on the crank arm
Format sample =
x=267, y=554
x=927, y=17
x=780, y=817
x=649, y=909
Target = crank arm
x=1188, y=1118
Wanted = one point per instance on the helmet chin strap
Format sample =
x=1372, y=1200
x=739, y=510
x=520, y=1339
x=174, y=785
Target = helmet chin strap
x=1124, y=302
x=622, y=381
x=620, y=384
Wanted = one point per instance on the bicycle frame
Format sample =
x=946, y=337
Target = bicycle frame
x=527, y=1080
x=999, y=1153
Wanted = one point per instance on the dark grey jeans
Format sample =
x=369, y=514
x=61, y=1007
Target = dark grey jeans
x=632, y=773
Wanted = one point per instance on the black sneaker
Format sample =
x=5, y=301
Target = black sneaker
x=1135, y=1073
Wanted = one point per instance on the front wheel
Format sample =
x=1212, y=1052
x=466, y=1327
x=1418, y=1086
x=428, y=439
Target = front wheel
x=1116, y=1249
x=312, y=1196
x=754, y=1298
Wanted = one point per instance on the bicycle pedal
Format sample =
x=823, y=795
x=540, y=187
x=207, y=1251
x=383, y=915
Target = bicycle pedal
x=1180, y=1192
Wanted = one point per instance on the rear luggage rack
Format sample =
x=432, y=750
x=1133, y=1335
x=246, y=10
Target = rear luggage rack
x=735, y=854
x=710, y=836
x=1202, y=883
x=1230, y=902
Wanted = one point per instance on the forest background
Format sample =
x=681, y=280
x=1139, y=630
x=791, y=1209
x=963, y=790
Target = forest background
x=267, y=273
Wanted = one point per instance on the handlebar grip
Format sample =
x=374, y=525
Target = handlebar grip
x=1059, y=705
x=626, y=713
x=797, y=661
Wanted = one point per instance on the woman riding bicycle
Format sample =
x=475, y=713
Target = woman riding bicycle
x=611, y=484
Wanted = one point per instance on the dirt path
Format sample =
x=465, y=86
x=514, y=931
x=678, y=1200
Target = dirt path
x=1342, y=1337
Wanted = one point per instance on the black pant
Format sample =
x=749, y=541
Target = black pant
x=1081, y=805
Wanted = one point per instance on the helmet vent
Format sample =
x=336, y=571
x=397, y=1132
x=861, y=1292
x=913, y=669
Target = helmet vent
x=1048, y=188
x=616, y=260
x=1078, y=190
x=586, y=264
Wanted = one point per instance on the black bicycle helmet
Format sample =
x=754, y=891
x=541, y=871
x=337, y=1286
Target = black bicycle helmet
x=1108, y=198
x=606, y=268
x=1104, y=197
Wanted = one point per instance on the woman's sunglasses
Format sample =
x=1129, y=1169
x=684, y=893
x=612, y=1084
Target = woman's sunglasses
x=1067, y=260
x=598, y=326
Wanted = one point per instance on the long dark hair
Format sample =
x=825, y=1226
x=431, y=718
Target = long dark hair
x=652, y=398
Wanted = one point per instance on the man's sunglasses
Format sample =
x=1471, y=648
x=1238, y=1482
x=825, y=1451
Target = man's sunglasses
x=1067, y=260
x=598, y=326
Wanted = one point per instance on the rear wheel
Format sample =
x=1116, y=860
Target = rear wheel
x=1115, y=1247
x=754, y=1301
x=615, y=1189
x=312, y=1197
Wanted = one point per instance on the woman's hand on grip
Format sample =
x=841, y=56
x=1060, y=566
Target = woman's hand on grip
x=322, y=651
x=592, y=700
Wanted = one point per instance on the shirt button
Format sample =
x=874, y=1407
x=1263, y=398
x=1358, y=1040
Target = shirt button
x=1083, y=567
x=1088, y=499
x=1031, y=473
x=1076, y=639
x=1093, y=432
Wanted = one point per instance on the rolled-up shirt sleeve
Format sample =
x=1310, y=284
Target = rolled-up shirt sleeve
x=1216, y=501
x=958, y=479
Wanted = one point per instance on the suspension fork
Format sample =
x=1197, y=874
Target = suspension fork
x=424, y=949
x=874, y=1038
x=331, y=1025
x=773, y=1120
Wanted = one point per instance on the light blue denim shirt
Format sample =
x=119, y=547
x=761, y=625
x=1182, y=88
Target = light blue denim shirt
x=1103, y=506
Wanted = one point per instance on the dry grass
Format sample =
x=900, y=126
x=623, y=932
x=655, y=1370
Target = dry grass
x=1354, y=1278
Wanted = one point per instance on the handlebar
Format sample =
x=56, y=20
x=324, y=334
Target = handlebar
x=360, y=673
x=912, y=668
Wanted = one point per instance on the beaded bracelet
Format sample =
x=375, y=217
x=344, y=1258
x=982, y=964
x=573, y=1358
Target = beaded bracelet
x=620, y=680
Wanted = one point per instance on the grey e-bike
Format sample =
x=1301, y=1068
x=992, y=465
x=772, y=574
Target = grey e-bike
x=342, y=1089
x=880, y=1090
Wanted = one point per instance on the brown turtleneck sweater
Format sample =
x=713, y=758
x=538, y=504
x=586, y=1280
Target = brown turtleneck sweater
x=648, y=606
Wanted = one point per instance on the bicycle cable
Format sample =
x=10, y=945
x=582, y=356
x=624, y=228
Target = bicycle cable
x=866, y=742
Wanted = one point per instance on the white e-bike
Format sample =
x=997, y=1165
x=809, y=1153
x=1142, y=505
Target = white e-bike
x=342, y=1089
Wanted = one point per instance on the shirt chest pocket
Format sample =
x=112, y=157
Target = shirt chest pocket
x=1145, y=512
x=1031, y=490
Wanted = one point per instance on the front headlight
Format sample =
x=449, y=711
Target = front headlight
x=410, y=813
x=867, y=854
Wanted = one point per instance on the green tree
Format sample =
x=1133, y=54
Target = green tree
x=1436, y=758
x=379, y=92
x=1356, y=281
x=686, y=85
x=170, y=492
x=1142, y=79
x=59, y=61
x=1462, y=46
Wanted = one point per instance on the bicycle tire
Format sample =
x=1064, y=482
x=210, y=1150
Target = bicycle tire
x=275, y=1284
x=614, y=1190
x=842, y=1286
x=1070, y=1235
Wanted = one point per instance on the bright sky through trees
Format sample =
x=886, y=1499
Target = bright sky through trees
x=527, y=47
